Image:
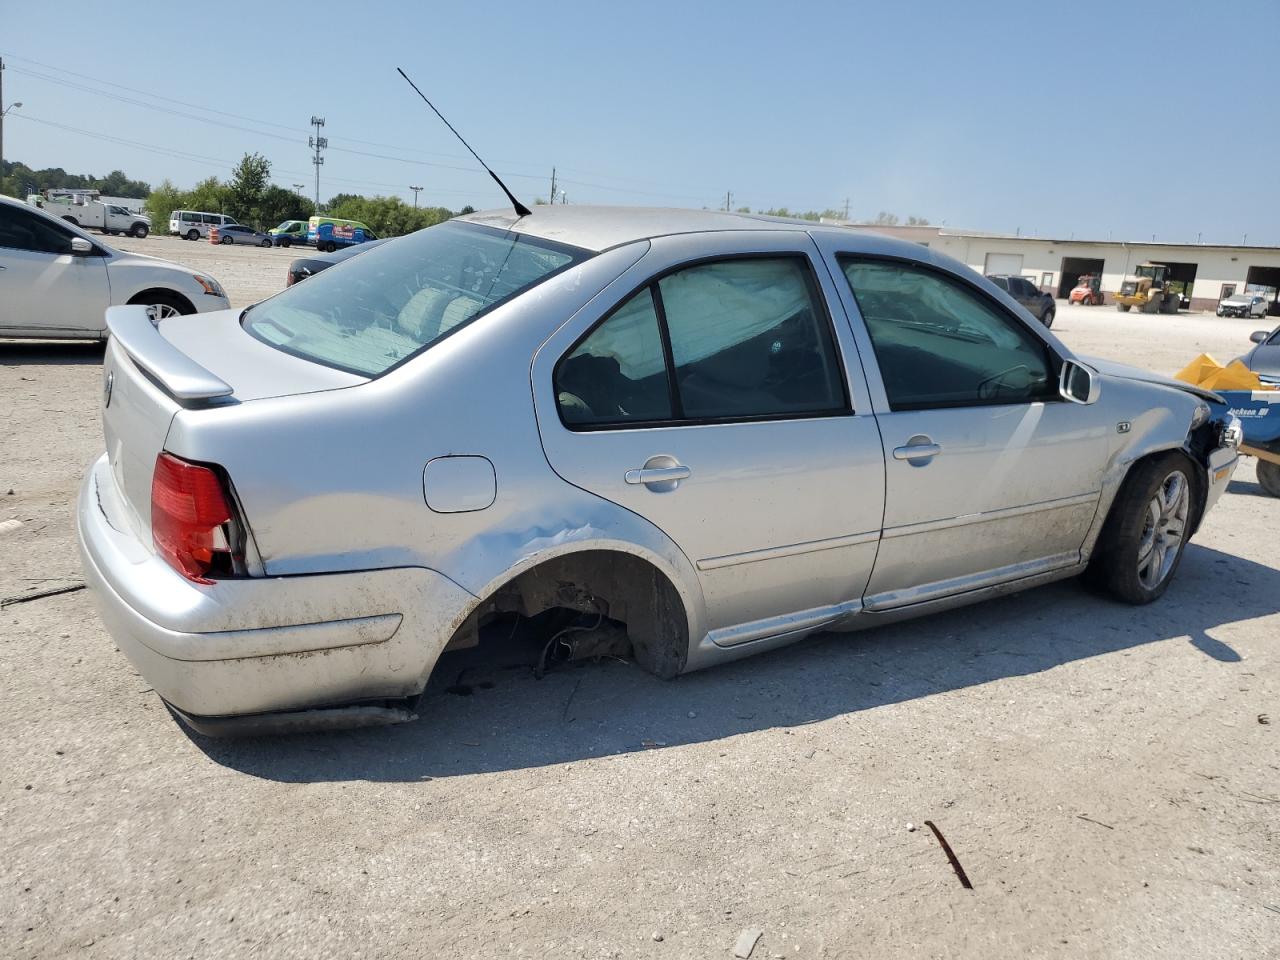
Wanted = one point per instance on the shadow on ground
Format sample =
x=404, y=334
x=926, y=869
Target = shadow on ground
x=1248, y=488
x=510, y=720
x=21, y=353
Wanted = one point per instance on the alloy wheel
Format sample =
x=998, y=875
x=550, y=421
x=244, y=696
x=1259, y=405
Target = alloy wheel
x=1164, y=530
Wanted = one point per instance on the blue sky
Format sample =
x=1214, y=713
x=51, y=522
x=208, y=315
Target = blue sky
x=996, y=116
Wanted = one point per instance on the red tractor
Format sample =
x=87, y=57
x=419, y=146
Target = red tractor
x=1088, y=291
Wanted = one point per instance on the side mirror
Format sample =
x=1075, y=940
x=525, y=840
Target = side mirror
x=80, y=247
x=1258, y=336
x=1078, y=383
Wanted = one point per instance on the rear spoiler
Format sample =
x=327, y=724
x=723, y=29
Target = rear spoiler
x=133, y=329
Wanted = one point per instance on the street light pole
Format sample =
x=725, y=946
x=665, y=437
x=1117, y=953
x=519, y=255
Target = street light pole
x=415, y=196
x=3, y=110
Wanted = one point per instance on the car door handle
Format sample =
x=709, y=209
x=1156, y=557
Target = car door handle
x=647, y=475
x=917, y=451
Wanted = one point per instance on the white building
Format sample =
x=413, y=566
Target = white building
x=1208, y=272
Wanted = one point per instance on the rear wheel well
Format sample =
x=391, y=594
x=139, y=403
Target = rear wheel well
x=163, y=295
x=617, y=586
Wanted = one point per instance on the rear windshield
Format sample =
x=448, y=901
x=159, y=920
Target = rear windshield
x=379, y=308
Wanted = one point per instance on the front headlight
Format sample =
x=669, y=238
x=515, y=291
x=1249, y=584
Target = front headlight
x=211, y=286
x=1200, y=416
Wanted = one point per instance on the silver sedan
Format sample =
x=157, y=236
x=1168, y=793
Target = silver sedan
x=238, y=233
x=685, y=437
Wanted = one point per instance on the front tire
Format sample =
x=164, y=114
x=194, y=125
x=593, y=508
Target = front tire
x=1047, y=319
x=1147, y=530
x=286, y=242
x=140, y=230
x=1122, y=307
x=1269, y=477
x=225, y=240
x=265, y=243
x=166, y=304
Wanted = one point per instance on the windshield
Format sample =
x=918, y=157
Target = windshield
x=286, y=224
x=380, y=308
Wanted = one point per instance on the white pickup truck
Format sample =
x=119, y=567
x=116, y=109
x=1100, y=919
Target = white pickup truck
x=110, y=218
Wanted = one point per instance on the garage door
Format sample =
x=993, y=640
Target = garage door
x=1010, y=263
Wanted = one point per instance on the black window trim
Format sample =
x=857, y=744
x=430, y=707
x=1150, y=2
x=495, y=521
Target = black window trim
x=677, y=407
x=1054, y=358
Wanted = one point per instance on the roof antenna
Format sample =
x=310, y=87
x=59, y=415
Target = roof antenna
x=520, y=208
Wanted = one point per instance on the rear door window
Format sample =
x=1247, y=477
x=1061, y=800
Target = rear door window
x=750, y=338
x=938, y=343
x=618, y=374
x=747, y=338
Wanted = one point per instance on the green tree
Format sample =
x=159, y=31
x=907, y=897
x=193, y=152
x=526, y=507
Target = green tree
x=116, y=184
x=387, y=216
x=278, y=204
x=886, y=219
x=914, y=221
x=209, y=195
x=249, y=179
x=161, y=202
x=338, y=199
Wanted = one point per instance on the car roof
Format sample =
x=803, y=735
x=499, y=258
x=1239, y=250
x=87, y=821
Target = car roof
x=600, y=228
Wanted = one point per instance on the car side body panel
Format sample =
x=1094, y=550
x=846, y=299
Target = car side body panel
x=360, y=584
x=807, y=493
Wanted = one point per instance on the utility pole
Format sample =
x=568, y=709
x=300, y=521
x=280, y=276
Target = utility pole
x=552, y=198
x=415, y=196
x=317, y=143
x=846, y=208
x=728, y=200
x=3, y=111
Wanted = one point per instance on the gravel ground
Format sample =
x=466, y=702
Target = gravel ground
x=1102, y=772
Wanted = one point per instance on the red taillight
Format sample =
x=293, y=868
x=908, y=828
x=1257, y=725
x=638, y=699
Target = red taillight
x=188, y=512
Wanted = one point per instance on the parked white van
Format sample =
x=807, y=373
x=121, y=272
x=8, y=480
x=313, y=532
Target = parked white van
x=195, y=224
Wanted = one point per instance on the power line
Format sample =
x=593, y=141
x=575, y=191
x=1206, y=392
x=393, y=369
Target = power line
x=297, y=138
x=202, y=158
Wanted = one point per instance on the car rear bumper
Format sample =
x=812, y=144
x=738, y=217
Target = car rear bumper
x=262, y=645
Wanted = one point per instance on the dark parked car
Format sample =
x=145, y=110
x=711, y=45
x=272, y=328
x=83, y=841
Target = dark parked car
x=1264, y=359
x=1039, y=305
x=303, y=267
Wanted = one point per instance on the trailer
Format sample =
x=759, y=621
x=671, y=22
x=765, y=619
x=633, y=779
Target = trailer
x=1259, y=414
x=1254, y=404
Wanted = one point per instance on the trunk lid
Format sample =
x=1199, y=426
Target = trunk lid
x=152, y=371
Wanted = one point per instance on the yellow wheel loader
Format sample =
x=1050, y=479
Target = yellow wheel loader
x=1149, y=291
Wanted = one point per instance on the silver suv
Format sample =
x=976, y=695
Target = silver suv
x=702, y=435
